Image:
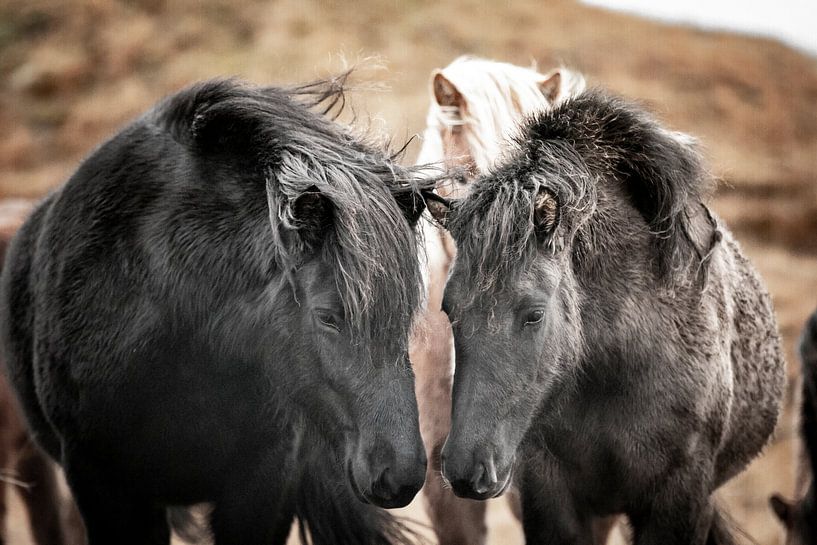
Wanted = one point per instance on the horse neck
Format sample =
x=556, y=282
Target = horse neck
x=431, y=152
x=627, y=308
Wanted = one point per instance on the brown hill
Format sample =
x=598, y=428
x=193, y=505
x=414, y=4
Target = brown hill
x=72, y=71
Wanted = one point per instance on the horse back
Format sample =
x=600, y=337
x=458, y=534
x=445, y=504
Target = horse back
x=17, y=326
x=752, y=341
x=112, y=304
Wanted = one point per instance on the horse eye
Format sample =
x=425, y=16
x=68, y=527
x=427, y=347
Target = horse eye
x=329, y=320
x=535, y=316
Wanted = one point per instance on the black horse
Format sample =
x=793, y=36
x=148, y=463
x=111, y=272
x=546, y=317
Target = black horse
x=221, y=293
x=612, y=342
x=800, y=516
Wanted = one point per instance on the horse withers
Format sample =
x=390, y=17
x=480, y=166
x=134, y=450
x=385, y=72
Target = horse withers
x=476, y=105
x=226, y=284
x=799, y=517
x=615, y=351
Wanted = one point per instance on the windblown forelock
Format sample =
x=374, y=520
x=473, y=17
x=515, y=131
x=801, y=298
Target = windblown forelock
x=290, y=137
x=494, y=233
x=370, y=246
x=494, y=225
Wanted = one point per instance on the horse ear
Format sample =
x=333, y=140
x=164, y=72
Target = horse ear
x=219, y=116
x=783, y=509
x=551, y=85
x=311, y=214
x=439, y=209
x=545, y=213
x=412, y=205
x=560, y=83
x=445, y=92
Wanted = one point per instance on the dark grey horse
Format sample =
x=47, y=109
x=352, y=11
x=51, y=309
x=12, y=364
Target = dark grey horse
x=613, y=345
x=800, y=516
x=219, y=295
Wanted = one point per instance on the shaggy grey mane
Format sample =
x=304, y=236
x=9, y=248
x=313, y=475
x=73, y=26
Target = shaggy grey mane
x=301, y=151
x=576, y=151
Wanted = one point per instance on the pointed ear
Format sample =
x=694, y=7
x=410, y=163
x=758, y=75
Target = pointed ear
x=783, y=509
x=561, y=83
x=439, y=208
x=445, y=92
x=551, y=85
x=311, y=214
x=545, y=213
x=412, y=205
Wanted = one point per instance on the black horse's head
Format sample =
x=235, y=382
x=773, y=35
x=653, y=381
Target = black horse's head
x=355, y=285
x=592, y=175
x=339, y=225
x=355, y=290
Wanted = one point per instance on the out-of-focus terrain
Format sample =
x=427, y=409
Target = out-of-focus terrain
x=72, y=71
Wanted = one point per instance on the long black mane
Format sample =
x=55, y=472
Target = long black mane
x=570, y=151
x=299, y=151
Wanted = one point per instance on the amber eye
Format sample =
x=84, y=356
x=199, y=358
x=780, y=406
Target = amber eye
x=328, y=319
x=535, y=317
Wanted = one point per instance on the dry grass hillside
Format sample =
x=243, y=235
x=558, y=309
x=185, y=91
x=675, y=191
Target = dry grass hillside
x=72, y=71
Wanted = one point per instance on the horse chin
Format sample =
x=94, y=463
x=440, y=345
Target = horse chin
x=350, y=476
x=506, y=486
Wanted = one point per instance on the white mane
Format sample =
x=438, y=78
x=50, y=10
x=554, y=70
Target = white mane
x=498, y=96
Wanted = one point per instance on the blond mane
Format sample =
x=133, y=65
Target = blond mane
x=498, y=96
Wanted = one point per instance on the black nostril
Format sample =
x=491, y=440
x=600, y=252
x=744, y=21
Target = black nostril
x=481, y=482
x=387, y=491
x=462, y=487
x=384, y=487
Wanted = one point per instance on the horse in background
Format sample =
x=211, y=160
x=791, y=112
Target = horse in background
x=223, y=288
x=615, y=350
x=476, y=106
x=24, y=466
x=799, y=517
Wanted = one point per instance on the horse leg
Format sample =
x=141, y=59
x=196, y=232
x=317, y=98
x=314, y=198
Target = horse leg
x=456, y=521
x=41, y=499
x=683, y=514
x=686, y=525
x=235, y=521
x=72, y=522
x=109, y=513
x=549, y=514
x=252, y=510
x=9, y=430
x=602, y=528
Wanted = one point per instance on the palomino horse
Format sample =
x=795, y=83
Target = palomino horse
x=227, y=283
x=615, y=351
x=800, y=516
x=476, y=105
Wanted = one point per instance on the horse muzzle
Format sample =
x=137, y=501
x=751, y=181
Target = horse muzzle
x=475, y=477
x=392, y=481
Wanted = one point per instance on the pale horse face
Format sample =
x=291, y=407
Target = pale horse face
x=469, y=121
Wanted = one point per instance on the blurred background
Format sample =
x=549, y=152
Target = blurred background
x=73, y=71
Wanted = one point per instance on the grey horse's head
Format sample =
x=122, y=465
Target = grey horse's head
x=585, y=178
